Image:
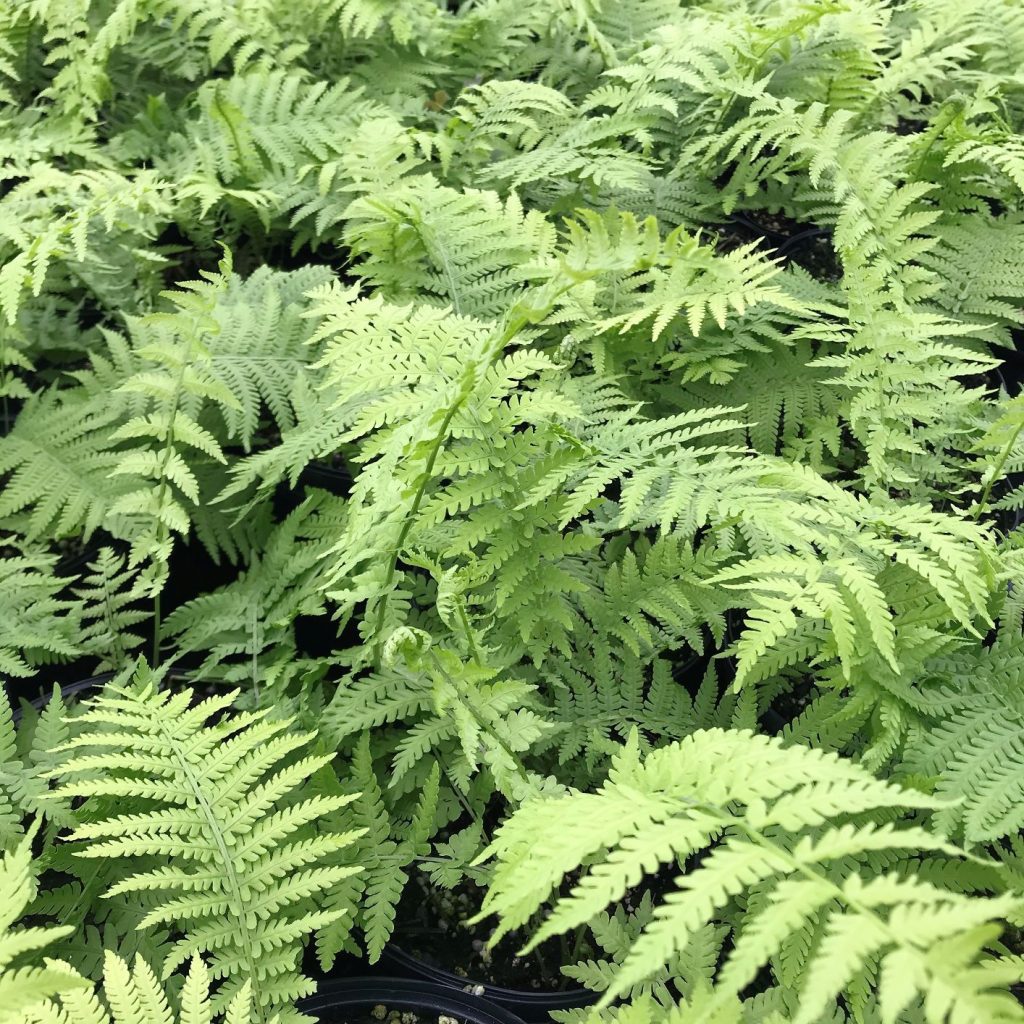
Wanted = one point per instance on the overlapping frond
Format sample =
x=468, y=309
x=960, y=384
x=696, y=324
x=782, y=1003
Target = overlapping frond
x=790, y=831
x=214, y=796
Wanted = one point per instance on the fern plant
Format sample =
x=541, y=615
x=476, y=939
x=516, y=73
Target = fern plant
x=54, y=994
x=25, y=987
x=217, y=800
x=800, y=839
x=533, y=399
x=133, y=995
x=40, y=624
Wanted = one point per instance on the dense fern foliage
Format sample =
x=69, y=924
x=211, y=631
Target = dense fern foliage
x=565, y=451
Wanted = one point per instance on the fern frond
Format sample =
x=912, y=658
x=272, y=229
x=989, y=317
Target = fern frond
x=243, y=860
x=169, y=388
x=57, y=464
x=23, y=988
x=792, y=828
x=134, y=995
x=38, y=624
x=269, y=119
x=110, y=610
x=386, y=851
x=245, y=630
x=974, y=745
x=259, y=350
x=468, y=249
x=54, y=215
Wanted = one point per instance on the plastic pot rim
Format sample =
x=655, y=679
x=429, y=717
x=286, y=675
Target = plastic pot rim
x=522, y=1000
x=78, y=686
x=405, y=993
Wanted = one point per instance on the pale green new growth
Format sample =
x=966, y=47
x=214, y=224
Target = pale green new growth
x=809, y=842
x=545, y=402
x=213, y=797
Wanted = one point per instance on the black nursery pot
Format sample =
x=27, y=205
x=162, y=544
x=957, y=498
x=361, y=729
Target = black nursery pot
x=342, y=1002
x=810, y=245
x=335, y=479
x=529, y=1006
x=79, y=688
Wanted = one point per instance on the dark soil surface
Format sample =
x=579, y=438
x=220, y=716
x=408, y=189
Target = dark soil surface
x=381, y=1014
x=430, y=925
x=805, y=244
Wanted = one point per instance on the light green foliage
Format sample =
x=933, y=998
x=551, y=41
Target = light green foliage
x=53, y=993
x=258, y=352
x=478, y=385
x=174, y=378
x=39, y=625
x=28, y=752
x=110, y=610
x=253, y=618
x=386, y=851
x=789, y=833
x=243, y=861
x=24, y=987
x=133, y=995
x=58, y=463
x=971, y=742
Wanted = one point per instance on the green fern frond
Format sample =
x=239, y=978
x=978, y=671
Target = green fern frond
x=251, y=124
x=39, y=625
x=212, y=795
x=174, y=380
x=24, y=987
x=545, y=137
x=110, y=610
x=974, y=745
x=54, y=215
x=27, y=754
x=57, y=464
x=702, y=284
x=468, y=249
x=408, y=21
x=259, y=349
x=245, y=630
x=386, y=851
x=975, y=264
x=792, y=828
x=134, y=995
x=1002, y=153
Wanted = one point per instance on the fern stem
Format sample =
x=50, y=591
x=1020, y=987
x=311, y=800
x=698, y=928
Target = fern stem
x=428, y=470
x=110, y=614
x=156, y=629
x=162, y=528
x=471, y=642
x=253, y=627
x=461, y=798
x=514, y=326
x=421, y=490
x=226, y=120
x=935, y=131
x=997, y=470
x=3, y=374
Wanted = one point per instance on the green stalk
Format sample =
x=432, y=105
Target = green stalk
x=466, y=386
x=156, y=630
x=997, y=470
